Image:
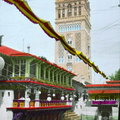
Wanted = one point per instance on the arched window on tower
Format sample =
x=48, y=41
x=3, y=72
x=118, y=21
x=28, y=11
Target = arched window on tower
x=79, y=10
x=69, y=10
x=63, y=12
x=75, y=11
x=59, y=15
x=69, y=58
x=70, y=41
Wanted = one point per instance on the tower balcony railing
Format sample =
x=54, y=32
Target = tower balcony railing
x=104, y=102
x=40, y=103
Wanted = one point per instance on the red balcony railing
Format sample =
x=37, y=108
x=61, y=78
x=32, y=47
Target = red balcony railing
x=42, y=103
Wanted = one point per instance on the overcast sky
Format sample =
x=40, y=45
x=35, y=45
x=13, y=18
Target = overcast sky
x=19, y=32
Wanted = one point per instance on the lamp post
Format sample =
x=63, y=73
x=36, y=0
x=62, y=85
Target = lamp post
x=49, y=96
x=62, y=96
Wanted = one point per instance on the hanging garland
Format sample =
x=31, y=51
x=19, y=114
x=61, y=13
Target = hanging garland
x=23, y=6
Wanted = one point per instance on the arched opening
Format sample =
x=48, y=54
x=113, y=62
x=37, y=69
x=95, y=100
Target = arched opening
x=69, y=10
x=105, y=115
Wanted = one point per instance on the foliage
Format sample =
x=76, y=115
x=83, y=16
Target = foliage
x=18, y=78
x=44, y=58
x=115, y=76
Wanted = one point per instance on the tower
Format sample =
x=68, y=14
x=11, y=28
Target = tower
x=73, y=22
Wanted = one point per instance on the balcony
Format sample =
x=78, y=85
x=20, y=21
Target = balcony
x=18, y=103
x=104, y=102
x=40, y=103
x=41, y=109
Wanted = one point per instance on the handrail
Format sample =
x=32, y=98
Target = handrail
x=21, y=103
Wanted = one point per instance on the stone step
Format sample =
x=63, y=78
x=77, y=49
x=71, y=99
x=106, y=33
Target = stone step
x=70, y=115
x=75, y=116
x=71, y=119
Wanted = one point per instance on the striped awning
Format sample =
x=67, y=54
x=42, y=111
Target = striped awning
x=103, y=91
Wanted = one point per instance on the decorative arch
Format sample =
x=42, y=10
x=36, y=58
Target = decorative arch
x=69, y=41
x=69, y=9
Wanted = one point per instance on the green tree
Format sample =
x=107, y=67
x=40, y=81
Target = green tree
x=115, y=76
x=44, y=58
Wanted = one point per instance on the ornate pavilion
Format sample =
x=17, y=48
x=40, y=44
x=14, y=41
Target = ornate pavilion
x=32, y=88
x=104, y=97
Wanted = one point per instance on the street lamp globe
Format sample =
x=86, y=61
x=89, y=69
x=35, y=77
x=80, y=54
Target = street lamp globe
x=2, y=63
x=62, y=98
x=71, y=99
x=49, y=98
x=39, y=92
x=53, y=94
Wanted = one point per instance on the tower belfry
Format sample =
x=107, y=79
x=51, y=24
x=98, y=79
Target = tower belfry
x=73, y=22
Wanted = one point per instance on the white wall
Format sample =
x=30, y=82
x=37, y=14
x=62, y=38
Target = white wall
x=6, y=100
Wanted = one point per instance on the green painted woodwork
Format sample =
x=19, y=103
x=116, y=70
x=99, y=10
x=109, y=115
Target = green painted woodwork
x=29, y=67
x=104, y=96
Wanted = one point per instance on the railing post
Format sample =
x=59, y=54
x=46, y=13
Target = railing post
x=37, y=98
x=27, y=99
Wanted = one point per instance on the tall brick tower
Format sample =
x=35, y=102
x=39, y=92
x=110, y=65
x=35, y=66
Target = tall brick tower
x=73, y=22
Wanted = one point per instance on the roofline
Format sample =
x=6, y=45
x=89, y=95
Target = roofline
x=113, y=81
x=27, y=54
x=102, y=85
x=39, y=108
x=34, y=82
x=103, y=91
